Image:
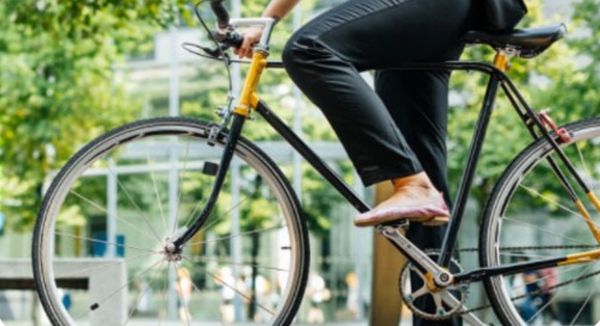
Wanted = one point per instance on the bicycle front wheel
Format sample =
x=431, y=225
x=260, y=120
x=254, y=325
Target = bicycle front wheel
x=99, y=253
x=530, y=217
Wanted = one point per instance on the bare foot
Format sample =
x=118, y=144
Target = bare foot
x=414, y=198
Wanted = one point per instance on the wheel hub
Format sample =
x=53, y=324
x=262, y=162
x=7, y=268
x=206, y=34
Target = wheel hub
x=171, y=253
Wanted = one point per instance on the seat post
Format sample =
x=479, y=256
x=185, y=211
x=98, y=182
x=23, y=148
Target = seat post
x=502, y=61
x=503, y=56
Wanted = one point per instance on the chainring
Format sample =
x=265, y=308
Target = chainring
x=442, y=311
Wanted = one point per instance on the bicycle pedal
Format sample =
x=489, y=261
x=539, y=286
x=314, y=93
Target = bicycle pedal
x=399, y=224
x=210, y=168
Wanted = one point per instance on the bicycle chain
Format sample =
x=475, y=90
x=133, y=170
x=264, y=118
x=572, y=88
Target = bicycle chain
x=523, y=248
x=536, y=292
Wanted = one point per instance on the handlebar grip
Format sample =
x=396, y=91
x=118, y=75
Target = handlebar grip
x=229, y=38
x=234, y=39
x=221, y=13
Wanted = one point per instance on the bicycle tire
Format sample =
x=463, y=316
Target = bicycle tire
x=245, y=151
x=497, y=206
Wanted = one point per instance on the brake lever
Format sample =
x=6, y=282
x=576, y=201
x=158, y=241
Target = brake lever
x=208, y=52
x=216, y=52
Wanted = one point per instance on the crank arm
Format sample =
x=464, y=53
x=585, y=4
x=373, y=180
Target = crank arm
x=439, y=276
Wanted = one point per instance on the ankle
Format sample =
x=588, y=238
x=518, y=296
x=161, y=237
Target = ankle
x=419, y=180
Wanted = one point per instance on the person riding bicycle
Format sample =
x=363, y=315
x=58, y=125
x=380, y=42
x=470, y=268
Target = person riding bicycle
x=398, y=131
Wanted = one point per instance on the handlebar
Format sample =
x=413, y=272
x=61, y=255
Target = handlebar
x=226, y=34
x=221, y=13
x=229, y=38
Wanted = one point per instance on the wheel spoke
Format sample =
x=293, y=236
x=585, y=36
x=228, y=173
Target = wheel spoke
x=227, y=262
x=137, y=302
x=216, y=219
x=98, y=266
x=165, y=288
x=555, y=296
x=533, y=215
x=179, y=177
x=549, y=200
x=565, y=270
x=555, y=202
x=96, y=304
x=239, y=234
x=583, y=163
x=587, y=299
x=158, y=201
x=144, y=156
x=135, y=205
x=104, y=210
x=240, y=293
x=106, y=242
x=183, y=303
x=571, y=240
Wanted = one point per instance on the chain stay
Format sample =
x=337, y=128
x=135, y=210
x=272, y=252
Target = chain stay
x=536, y=292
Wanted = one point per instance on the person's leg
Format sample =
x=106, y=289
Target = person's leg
x=325, y=56
x=418, y=103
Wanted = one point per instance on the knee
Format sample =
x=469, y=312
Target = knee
x=291, y=53
x=298, y=51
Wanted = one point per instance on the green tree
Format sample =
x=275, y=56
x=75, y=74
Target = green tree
x=551, y=80
x=58, y=88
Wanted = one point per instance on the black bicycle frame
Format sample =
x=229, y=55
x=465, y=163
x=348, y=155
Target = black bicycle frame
x=497, y=79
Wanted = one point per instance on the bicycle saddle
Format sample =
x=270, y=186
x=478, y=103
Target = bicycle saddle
x=527, y=42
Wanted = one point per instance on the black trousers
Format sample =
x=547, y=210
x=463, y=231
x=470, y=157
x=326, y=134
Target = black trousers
x=421, y=99
x=325, y=56
x=400, y=128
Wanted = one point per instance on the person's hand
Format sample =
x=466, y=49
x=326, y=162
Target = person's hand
x=251, y=36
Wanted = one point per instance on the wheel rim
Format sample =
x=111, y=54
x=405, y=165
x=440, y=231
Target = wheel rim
x=270, y=228
x=554, y=229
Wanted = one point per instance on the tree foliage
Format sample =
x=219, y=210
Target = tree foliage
x=58, y=88
x=552, y=80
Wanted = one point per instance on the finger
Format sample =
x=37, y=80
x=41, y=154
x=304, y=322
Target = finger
x=246, y=52
x=247, y=46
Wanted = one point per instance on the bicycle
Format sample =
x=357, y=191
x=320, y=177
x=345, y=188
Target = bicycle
x=277, y=217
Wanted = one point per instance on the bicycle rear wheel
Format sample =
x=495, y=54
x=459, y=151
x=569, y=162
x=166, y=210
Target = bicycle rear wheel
x=528, y=217
x=105, y=264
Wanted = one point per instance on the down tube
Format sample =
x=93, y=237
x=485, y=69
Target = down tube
x=315, y=161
